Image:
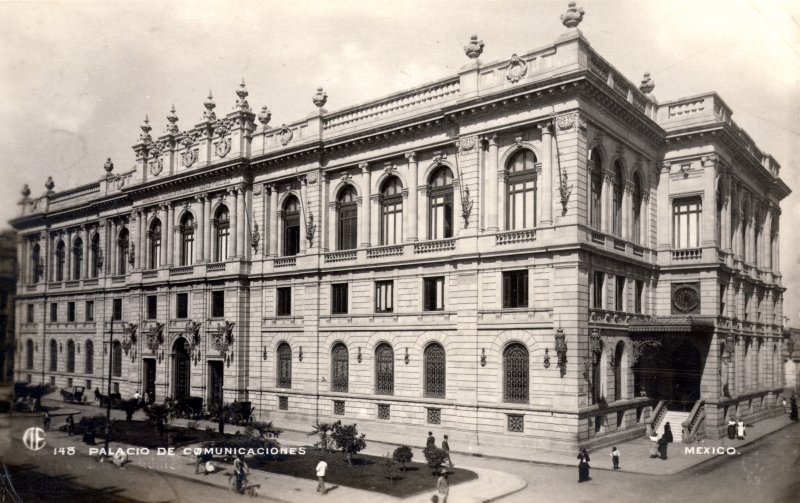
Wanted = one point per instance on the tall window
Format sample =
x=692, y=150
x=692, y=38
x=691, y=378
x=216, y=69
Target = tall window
x=636, y=221
x=30, y=315
x=222, y=229
x=596, y=191
x=29, y=354
x=392, y=212
x=521, y=200
x=89, y=358
x=116, y=310
x=515, y=289
x=433, y=294
x=77, y=258
x=36, y=263
x=283, y=302
x=218, y=304
x=718, y=219
x=384, y=296
x=618, y=370
x=53, y=312
x=339, y=304
x=743, y=234
x=686, y=214
x=123, y=246
x=116, y=359
x=339, y=368
x=619, y=293
x=440, y=204
x=187, y=239
x=97, y=255
x=291, y=226
x=384, y=369
x=70, y=312
x=435, y=376
x=347, y=219
x=70, y=356
x=598, y=293
x=596, y=359
x=155, y=244
x=284, y=365
x=61, y=256
x=182, y=306
x=53, y=355
x=638, y=301
x=152, y=307
x=616, y=205
x=515, y=374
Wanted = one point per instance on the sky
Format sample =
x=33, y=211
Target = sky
x=77, y=77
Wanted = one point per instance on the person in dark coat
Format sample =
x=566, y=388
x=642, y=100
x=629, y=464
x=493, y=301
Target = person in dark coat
x=793, y=408
x=431, y=440
x=667, y=433
x=583, y=466
x=662, y=446
x=731, y=428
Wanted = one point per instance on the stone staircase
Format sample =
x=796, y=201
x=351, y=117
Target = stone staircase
x=674, y=418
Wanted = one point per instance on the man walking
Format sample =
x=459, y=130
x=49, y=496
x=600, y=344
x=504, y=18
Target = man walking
x=322, y=466
x=431, y=440
x=446, y=449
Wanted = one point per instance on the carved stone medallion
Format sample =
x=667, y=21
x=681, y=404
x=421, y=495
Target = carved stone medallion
x=516, y=70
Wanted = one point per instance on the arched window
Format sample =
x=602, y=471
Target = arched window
x=187, y=239
x=123, y=249
x=340, y=368
x=392, y=212
x=77, y=258
x=515, y=374
x=618, y=391
x=596, y=191
x=291, y=226
x=97, y=256
x=116, y=359
x=29, y=354
x=435, y=376
x=284, y=366
x=36, y=263
x=440, y=204
x=70, y=356
x=155, y=244
x=347, y=219
x=636, y=221
x=222, y=231
x=521, y=198
x=384, y=369
x=743, y=233
x=89, y=358
x=718, y=220
x=616, y=203
x=53, y=355
x=61, y=256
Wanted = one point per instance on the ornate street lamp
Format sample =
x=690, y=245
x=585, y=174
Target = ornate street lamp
x=561, y=350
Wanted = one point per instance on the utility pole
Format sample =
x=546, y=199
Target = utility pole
x=108, y=395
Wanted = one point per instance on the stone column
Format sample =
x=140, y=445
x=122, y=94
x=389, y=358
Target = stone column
x=241, y=212
x=331, y=231
x=233, y=223
x=141, y=219
x=112, y=248
x=424, y=216
x=413, y=213
x=303, y=214
x=202, y=223
x=608, y=201
x=627, y=221
x=85, y=263
x=366, y=187
x=209, y=234
x=549, y=176
x=324, y=217
x=170, y=228
x=726, y=219
x=375, y=216
x=500, y=207
x=492, y=186
x=274, y=229
x=457, y=219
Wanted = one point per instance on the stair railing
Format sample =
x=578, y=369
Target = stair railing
x=658, y=414
x=691, y=427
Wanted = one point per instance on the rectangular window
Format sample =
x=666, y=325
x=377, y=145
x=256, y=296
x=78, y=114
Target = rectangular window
x=52, y=381
x=182, y=306
x=53, y=312
x=69, y=382
x=619, y=293
x=218, y=304
x=283, y=403
x=434, y=294
x=597, y=290
x=384, y=411
x=516, y=423
x=88, y=384
x=722, y=292
x=515, y=289
x=434, y=416
x=338, y=407
x=639, y=300
x=70, y=311
x=30, y=313
x=686, y=215
x=89, y=310
x=116, y=311
x=116, y=388
x=283, y=301
x=152, y=307
x=384, y=296
x=747, y=306
x=339, y=298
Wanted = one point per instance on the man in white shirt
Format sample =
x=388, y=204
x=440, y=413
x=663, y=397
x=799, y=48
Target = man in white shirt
x=321, y=467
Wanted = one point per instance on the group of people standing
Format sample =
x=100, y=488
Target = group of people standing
x=736, y=429
x=792, y=407
x=658, y=446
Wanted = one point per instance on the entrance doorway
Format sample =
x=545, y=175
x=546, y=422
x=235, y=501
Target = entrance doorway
x=182, y=361
x=687, y=371
x=215, y=380
x=671, y=373
x=149, y=390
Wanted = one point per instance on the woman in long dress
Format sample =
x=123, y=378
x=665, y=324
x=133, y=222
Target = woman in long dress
x=793, y=408
x=667, y=433
x=583, y=466
x=731, y=428
x=654, y=446
x=662, y=446
x=740, y=429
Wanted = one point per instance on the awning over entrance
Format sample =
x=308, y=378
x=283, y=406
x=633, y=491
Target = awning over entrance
x=672, y=324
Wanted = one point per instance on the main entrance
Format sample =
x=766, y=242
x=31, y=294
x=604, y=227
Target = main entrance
x=181, y=368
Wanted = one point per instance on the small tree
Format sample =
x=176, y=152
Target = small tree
x=403, y=455
x=322, y=430
x=348, y=440
x=435, y=457
x=158, y=413
x=388, y=465
x=130, y=407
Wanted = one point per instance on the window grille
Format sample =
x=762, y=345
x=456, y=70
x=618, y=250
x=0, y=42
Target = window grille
x=516, y=423
x=434, y=416
x=384, y=369
x=338, y=407
x=435, y=371
x=116, y=359
x=283, y=403
x=384, y=412
x=339, y=370
x=515, y=374
x=284, y=366
x=70, y=356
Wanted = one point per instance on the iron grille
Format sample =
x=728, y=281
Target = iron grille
x=515, y=374
x=384, y=370
x=516, y=423
x=384, y=412
x=283, y=403
x=435, y=371
x=340, y=368
x=338, y=407
x=284, y=366
x=435, y=416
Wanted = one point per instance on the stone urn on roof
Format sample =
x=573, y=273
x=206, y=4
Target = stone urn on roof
x=573, y=17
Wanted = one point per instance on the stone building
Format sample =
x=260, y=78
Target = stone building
x=8, y=287
x=791, y=360
x=532, y=252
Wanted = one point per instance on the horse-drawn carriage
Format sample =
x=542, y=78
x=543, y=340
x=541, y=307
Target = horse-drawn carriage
x=77, y=394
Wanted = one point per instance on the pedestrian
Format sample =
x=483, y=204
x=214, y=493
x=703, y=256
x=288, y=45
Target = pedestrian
x=70, y=425
x=120, y=458
x=653, y=446
x=731, y=428
x=615, y=457
x=322, y=467
x=137, y=397
x=662, y=447
x=793, y=408
x=240, y=471
x=667, y=432
x=740, y=429
x=435, y=498
x=583, y=465
x=785, y=405
x=446, y=449
x=201, y=463
x=443, y=486
x=46, y=420
x=431, y=440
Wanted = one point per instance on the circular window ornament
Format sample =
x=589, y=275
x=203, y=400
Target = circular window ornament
x=686, y=299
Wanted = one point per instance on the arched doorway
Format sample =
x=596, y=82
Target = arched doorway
x=687, y=372
x=181, y=368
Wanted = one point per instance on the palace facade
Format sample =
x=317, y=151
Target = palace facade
x=532, y=252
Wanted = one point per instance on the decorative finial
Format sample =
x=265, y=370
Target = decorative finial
x=242, y=93
x=172, y=128
x=573, y=17
x=49, y=184
x=474, y=48
x=26, y=191
x=108, y=166
x=209, y=114
x=648, y=84
x=320, y=98
x=264, y=116
x=146, y=125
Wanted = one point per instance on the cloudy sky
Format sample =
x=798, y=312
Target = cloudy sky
x=77, y=77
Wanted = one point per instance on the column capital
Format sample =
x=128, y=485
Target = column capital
x=411, y=156
x=364, y=167
x=490, y=139
x=546, y=127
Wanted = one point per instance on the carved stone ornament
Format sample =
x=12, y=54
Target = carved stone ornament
x=188, y=158
x=156, y=166
x=155, y=337
x=648, y=84
x=516, y=69
x=286, y=135
x=320, y=98
x=467, y=143
x=568, y=121
x=573, y=17
x=132, y=254
x=223, y=337
x=222, y=147
x=264, y=116
x=108, y=166
x=222, y=128
x=209, y=114
x=242, y=93
x=172, y=118
x=144, y=137
x=49, y=184
x=466, y=205
x=685, y=298
x=474, y=48
x=311, y=228
x=193, y=334
x=255, y=236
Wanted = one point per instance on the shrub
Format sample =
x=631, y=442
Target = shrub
x=158, y=413
x=435, y=457
x=388, y=465
x=130, y=406
x=348, y=440
x=403, y=455
x=322, y=430
x=262, y=429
